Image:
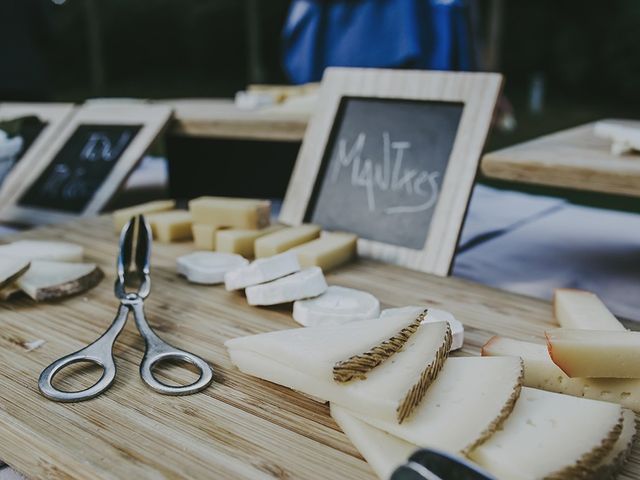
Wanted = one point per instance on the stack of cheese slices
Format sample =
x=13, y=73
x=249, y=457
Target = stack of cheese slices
x=241, y=226
x=45, y=270
x=393, y=389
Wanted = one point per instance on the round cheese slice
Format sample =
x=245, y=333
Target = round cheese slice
x=434, y=315
x=208, y=268
x=336, y=306
x=262, y=270
x=307, y=283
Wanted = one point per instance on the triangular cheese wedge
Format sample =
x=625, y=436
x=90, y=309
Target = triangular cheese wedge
x=615, y=459
x=318, y=365
x=549, y=435
x=464, y=406
x=382, y=451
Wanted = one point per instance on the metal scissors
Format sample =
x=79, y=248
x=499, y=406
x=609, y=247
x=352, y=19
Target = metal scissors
x=133, y=270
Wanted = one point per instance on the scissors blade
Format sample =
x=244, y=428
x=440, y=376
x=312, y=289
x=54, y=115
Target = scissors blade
x=143, y=246
x=126, y=249
x=429, y=464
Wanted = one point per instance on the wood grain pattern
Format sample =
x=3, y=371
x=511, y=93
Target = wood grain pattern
x=152, y=118
x=218, y=118
x=239, y=428
x=573, y=158
x=478, y=92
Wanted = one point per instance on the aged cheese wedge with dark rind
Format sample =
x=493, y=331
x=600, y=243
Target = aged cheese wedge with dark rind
x=392, y=389
x=584, y=310
x=610, y=466
x=463, y=407
x=549, y=435
x=541, y=372
x=49, y=280
x=11, y=269
x=595, y=353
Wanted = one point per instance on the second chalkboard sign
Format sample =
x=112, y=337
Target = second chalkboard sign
x=392, y=156
x=88, y=162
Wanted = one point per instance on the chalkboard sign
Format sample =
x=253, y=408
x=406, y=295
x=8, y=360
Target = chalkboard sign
x=383, y=167
x=391, y=155
x=79, y=168
x=86, y=164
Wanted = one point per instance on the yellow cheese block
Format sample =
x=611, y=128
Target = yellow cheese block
x=204, y=236
x=231, y=212
x=581, y=309
x=122, y=216
x=328, y=251
x=285, y=239
x=241, y=241
x=170, y=226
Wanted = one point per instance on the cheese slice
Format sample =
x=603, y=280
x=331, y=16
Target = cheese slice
x=549, y=435
x=43, y=250
x=595, y=353
x=50, y=280
x=11, y=269
x=306, y=283
x=613, y=462
x=337, y=306
x=204, y=236
x=122, y=216
x=231, y=212
x=170, y=226
x=208, y=268
x=261, y=271
x=435, y=315
x=310, y=361
x=329, y=251
x=541, y=372
x=580, y=309
x=465, y=405
x=241, y=241
x=383, y=452
x=285, y=239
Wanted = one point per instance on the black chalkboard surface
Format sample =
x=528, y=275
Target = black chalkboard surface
x=79, y=168
x=383, y=167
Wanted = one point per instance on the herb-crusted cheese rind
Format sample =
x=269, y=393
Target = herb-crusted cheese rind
x=417, y=392
x=357, y=366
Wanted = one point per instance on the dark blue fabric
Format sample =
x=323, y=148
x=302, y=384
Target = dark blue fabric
x=423, y=34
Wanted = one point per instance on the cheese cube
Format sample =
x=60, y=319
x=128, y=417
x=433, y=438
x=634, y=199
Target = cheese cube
x=242, y=241
x=204, y=236
x=328, y=251
x=122, y=216
x=580, y=309
x=170, y=226
x=231, y=212
x=285, y=239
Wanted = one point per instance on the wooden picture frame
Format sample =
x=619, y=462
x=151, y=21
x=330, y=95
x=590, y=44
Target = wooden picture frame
x=148, y=123
x=478, y=92
x=54, y=115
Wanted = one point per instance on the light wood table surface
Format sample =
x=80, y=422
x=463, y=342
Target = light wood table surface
x=241, y=427
x=574, y=159
x=220, y=118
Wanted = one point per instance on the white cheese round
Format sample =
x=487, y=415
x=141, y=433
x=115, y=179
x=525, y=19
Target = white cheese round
x=307, y=283
x=262, y=270
x=434, y=315
x=208, y=268
x=336, y=306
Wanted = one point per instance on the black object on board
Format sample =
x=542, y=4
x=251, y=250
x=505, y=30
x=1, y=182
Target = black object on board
x=79, y=168
x=383, y=167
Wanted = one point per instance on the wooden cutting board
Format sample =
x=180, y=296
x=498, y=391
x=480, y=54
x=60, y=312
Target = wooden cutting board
x=240, y=427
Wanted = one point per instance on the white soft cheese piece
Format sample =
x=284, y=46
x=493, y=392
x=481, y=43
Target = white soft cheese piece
x=307, y=283
x=581, y=309
x=541, y=372
x=262, y=270
x=208, y=268
x=435, y=315
x=43, y=250
x=465, y=404
x=547, y=434
x=336, y=306
x=383, y=452
x=310, y=368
